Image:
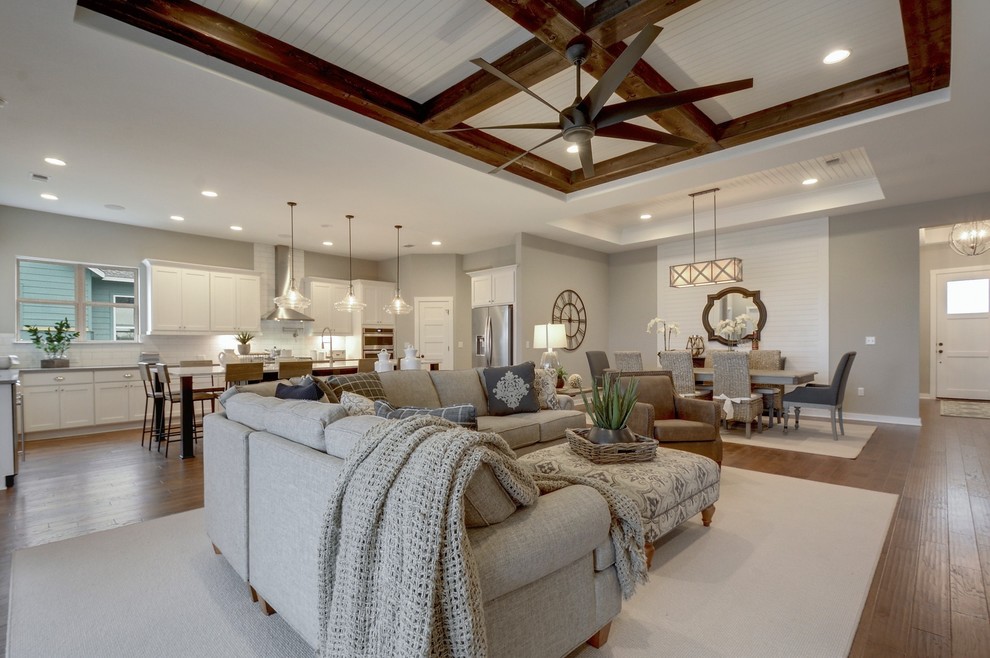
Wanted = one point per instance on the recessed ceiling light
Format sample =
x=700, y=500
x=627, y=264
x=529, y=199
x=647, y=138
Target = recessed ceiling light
x=646, y=215
x=573, y=148
x=436, y=243
x=50, y=197
x=209, y=193
x=55, y=161
x=236, y=228
x=178, y=218
x=327, y=243
x=809, y=181
x=836, y=56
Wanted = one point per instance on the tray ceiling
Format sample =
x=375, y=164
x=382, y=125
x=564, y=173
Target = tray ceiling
x=406, y=63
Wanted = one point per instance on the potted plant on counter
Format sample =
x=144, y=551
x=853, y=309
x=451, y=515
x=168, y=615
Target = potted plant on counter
x=609, y=409
x=244, y=342
x=53, y=341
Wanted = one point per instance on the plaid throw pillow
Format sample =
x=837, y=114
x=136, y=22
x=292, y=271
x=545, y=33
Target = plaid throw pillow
x=368, y=384
x=462, y=414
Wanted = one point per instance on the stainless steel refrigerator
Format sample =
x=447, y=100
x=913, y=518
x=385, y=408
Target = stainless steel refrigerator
x=491, y=327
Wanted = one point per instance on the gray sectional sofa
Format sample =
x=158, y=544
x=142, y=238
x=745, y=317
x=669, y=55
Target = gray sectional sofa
x=547, y=571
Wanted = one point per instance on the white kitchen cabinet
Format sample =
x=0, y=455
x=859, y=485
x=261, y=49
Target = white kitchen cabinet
x=492, y=287
x=235, y=302
x=376, y=295
x=58, y=400
x=189, y=299
x=119, y=396
x=324, y=293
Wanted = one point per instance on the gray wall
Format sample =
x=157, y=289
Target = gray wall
x=489, y=258
x=46, y=235
x=546, y=268
x=329, y=266
x=632, y=303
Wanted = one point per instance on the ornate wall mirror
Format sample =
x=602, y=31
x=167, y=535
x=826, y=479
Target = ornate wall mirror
x=729, y=303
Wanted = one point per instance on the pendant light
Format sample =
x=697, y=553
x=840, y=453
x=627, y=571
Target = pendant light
x=970, y=238
x=706, y=272
x=397, y=306
x=350, y=302
x=291, y=298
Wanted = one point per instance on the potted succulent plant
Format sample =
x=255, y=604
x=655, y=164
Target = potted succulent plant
x=53, y=341
x=244, y=342
x=561, y=373
x=609, y=409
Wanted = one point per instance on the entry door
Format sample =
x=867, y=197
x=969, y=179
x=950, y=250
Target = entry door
x=435, y=330
x=962, y=335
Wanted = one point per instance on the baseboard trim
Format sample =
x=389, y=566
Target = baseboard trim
x=811, y=412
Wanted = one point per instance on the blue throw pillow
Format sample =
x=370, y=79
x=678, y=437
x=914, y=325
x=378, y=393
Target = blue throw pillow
x=306, y=392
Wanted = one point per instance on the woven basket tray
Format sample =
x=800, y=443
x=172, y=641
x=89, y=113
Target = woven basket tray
x=643, y=450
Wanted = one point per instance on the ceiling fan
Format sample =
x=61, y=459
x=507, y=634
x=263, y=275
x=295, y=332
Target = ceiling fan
x=589, y=116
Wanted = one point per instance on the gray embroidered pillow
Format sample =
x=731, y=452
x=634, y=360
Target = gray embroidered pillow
x=546, y=388
x=511, y=389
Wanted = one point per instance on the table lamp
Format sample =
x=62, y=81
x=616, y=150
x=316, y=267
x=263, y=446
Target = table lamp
x=549, y=336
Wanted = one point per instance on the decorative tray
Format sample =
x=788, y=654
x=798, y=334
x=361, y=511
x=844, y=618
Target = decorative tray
x=644, y=449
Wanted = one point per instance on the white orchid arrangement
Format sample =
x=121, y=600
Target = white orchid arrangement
x=666, y=329
x=733, y=330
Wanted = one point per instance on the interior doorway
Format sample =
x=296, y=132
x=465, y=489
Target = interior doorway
x=961, y=333
x=435, y=329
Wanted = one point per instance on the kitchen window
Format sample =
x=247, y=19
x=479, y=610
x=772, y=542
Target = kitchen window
x=98, y=300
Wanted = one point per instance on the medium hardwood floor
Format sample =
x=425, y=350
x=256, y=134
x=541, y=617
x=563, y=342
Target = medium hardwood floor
x=928, y=598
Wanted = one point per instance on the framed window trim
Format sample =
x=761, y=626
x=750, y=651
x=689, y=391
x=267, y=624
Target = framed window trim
x=76, y=309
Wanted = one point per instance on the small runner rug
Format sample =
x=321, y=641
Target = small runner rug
x=966, y=408
x=814, y=436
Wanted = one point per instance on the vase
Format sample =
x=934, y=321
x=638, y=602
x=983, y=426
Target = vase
x=58, y=362
x=244, y=349
x=604, y=435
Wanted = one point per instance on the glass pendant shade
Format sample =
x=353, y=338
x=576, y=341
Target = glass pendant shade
x=970, y=238
x=350, y=302
x=397, y=306
x=292, y=298
x=706, y=272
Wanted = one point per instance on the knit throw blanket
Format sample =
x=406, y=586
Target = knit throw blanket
x=398, y=577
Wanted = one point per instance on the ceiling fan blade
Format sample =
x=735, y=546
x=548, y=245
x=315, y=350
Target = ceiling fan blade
x=514, y=126
x=521, y=155
x=480, y=63
x=587, y=162
x=642, y=134
x=623, y=64
x=613, y=114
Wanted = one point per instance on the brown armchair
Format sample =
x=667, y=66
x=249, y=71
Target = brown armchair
x=676, y=422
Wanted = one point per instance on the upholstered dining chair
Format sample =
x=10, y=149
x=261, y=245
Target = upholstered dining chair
x=821, y=395
x=598, y=364
x=681, y=366
x=730, y=382
x=629, y=361
x=773, y=394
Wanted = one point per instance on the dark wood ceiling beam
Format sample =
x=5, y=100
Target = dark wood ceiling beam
x=611, y=21
x=928, y=36
x=840, y=101
x=637, y=162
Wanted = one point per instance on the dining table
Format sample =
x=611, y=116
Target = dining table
x=785, y=377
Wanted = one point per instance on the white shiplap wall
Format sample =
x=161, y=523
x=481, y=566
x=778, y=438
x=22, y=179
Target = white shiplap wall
x=789, y=266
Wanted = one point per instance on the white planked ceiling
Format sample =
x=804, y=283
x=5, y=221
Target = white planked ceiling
x=416, y=48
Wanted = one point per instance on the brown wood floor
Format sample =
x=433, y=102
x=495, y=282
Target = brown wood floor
x=928, y=598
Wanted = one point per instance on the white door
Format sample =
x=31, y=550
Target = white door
x=962, y=334
x=435, y=329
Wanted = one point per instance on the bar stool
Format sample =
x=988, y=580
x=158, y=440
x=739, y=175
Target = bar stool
x=240, y=373
x=288, y=369
x=212, y=388
x=170, y=434
x=151, y=395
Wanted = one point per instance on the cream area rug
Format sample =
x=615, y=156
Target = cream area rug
x=783, y=570
x=966, y=408
x=814, y=436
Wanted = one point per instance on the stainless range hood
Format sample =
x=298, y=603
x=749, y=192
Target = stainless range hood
x=283, y=263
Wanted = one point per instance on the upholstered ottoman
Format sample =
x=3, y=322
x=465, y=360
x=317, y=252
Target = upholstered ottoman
x=668, y=490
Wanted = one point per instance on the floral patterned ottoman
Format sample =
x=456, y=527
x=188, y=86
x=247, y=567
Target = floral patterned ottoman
x=668, y=490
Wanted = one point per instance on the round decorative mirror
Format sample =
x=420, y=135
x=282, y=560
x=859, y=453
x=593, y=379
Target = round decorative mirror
x=730, y=303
